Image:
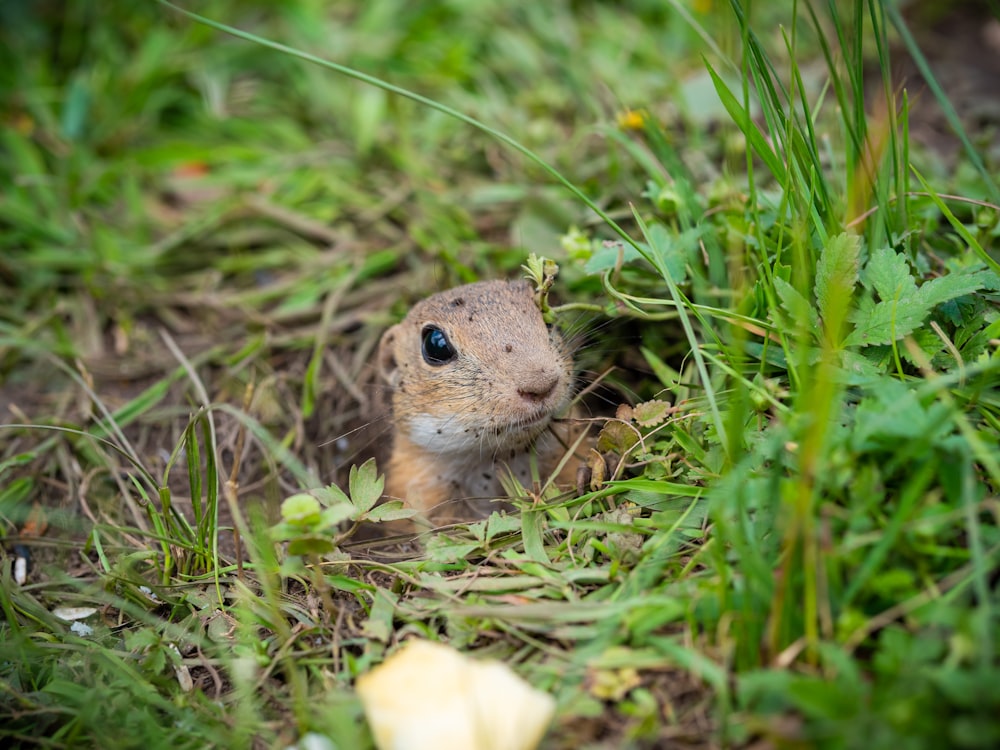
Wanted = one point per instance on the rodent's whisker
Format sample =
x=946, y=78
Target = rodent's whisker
x=359, y=428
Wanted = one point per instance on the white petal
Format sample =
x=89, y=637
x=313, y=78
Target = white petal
x=428, y=696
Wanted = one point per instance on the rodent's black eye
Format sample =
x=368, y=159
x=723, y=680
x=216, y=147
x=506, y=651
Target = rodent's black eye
x=436, y=347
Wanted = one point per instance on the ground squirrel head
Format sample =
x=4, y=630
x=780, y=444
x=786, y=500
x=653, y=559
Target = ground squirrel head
x=475, y=370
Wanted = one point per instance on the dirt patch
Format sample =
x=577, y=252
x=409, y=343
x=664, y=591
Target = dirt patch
x=961, y=41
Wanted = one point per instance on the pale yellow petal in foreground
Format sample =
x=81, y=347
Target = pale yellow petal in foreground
x=428, y=696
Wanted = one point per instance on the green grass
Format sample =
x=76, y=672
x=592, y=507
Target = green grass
x=204, y=236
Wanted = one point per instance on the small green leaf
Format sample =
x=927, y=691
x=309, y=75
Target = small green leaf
x=333, y=515
x=310, y=544
x=927, y=341
x=823, y=699
x=651, y=413
x=533, y=267
x=888, y=274
x=606, y=257
x=836, y=277
x=442, y=548
x=892, y=412
x=616, y=436
x=302, y=510
x=378, y=626
x=957, y=284
x=365, y=485
x=670, y=251
x=795, y=304
x=885, y=322
x=393, y=510
x=860, y=366
x=331, y=495
x=577, y=244
x=282, y=532
x=499, y=523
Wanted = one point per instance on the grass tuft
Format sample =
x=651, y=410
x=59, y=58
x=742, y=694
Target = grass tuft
x=789, y=536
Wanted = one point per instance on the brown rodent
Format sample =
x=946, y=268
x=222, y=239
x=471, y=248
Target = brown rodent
x=477, y=377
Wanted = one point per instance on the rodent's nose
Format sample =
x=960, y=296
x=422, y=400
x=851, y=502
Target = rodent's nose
x=538, y=387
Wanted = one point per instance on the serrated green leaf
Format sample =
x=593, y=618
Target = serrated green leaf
x=836, y=278
x=945, y=288
x=927, y=341
x=651, y=413
x=365, y=485
x=991, y=280
x=795, y=304
x=885, y=322
x=501, y=524
x=534, y=268
x=977, y=343
x=904, y=307
x=889, y=275
x=860, y=367
x=892, y=412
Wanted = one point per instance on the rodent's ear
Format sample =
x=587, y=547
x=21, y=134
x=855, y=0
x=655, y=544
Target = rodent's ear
x=388, y=367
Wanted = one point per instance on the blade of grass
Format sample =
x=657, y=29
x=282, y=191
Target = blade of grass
x=682, y=305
